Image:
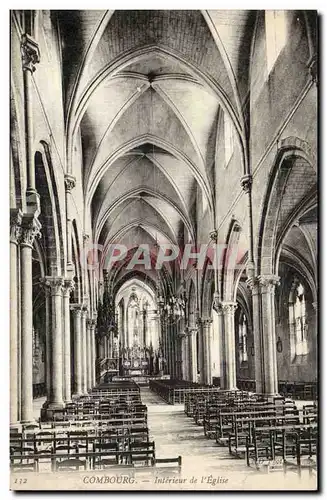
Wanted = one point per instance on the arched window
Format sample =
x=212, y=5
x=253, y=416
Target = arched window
x=275, y=22
x=298, y=322
x=243, y=338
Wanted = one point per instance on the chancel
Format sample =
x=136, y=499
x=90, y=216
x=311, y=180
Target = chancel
x=163, y=244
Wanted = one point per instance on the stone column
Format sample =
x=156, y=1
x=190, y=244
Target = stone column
x=88, y=354
x=180, y=355
x=186, y=359
x=83, y=350
x=93, y=354
x=48, y=329
x=206, y=335
x=70, y=183
x=68, y=287
x=263, y=297
x=30, y=57
x=228, y=354
x=253, y=284
x=15, y=231
x=77, y=313
x=193, y=368
x=30, y=229
x=56, y=370
x=267, y=291
x=200, y=354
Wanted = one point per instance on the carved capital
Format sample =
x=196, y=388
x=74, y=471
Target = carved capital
x=228, y=307
x=86, y=238
x=192, y=330
x=205, y=322
x=70, y=182
x=76, y=309
x=214, y=235
x=68, y=287
x=54, y=284
x=268, y=282
x=30, y=229
x=30, y=53
x=246, y=183
x=252, y=283
x=16, y=216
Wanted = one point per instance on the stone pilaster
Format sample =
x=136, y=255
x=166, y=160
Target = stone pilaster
x=84, y=350
x=93, y=353
x=30, y=57
x=180, y=355
x=192, y=344
x=228, y=354
x=77, y=313
x=30, y=229
x=263, y=299
x=56, y=285
x=186, y=357
x=68, y=287
x=70, y=183
x=15, y=231
x=88, y=354
x=206, y=350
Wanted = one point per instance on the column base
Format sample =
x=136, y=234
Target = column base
x=57, y=405
x=29, y=422
x=17, y=427
x=47, y=410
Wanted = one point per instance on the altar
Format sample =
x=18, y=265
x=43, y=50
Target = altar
x=135, y=361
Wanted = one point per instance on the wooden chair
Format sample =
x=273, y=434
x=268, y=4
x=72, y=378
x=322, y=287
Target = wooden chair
x=70, y=464
x=142, y=453
x=108, y=455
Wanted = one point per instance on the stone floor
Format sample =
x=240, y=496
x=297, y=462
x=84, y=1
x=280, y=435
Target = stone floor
x=210, y=465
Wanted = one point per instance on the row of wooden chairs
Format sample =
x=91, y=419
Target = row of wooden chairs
x=65, y=457
x=266, y=432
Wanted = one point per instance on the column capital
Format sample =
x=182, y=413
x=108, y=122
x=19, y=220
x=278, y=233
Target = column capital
x=30, y=53
x=206, y=322
x=315, y=305
x=86, y=238
x=68, y=287
x=192, y=331
x=54, y=284
x=30, y=229
x=214, y=235
x=246, y=183
x=90, y=323
x=268, y=282
x=263, y=283
x=76, y=309
x=16, y=216
x=228, y=307
x=84, y=310
x=70, y=182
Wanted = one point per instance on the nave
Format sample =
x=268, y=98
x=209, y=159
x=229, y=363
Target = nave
x=150, y=440
x=164, y=234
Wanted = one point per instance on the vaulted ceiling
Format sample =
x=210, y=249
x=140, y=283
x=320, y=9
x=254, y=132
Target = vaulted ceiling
x=144, y=91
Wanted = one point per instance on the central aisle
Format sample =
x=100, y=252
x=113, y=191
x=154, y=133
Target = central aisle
x=175, y=434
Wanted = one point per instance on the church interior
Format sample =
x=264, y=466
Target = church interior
x=163, y=244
